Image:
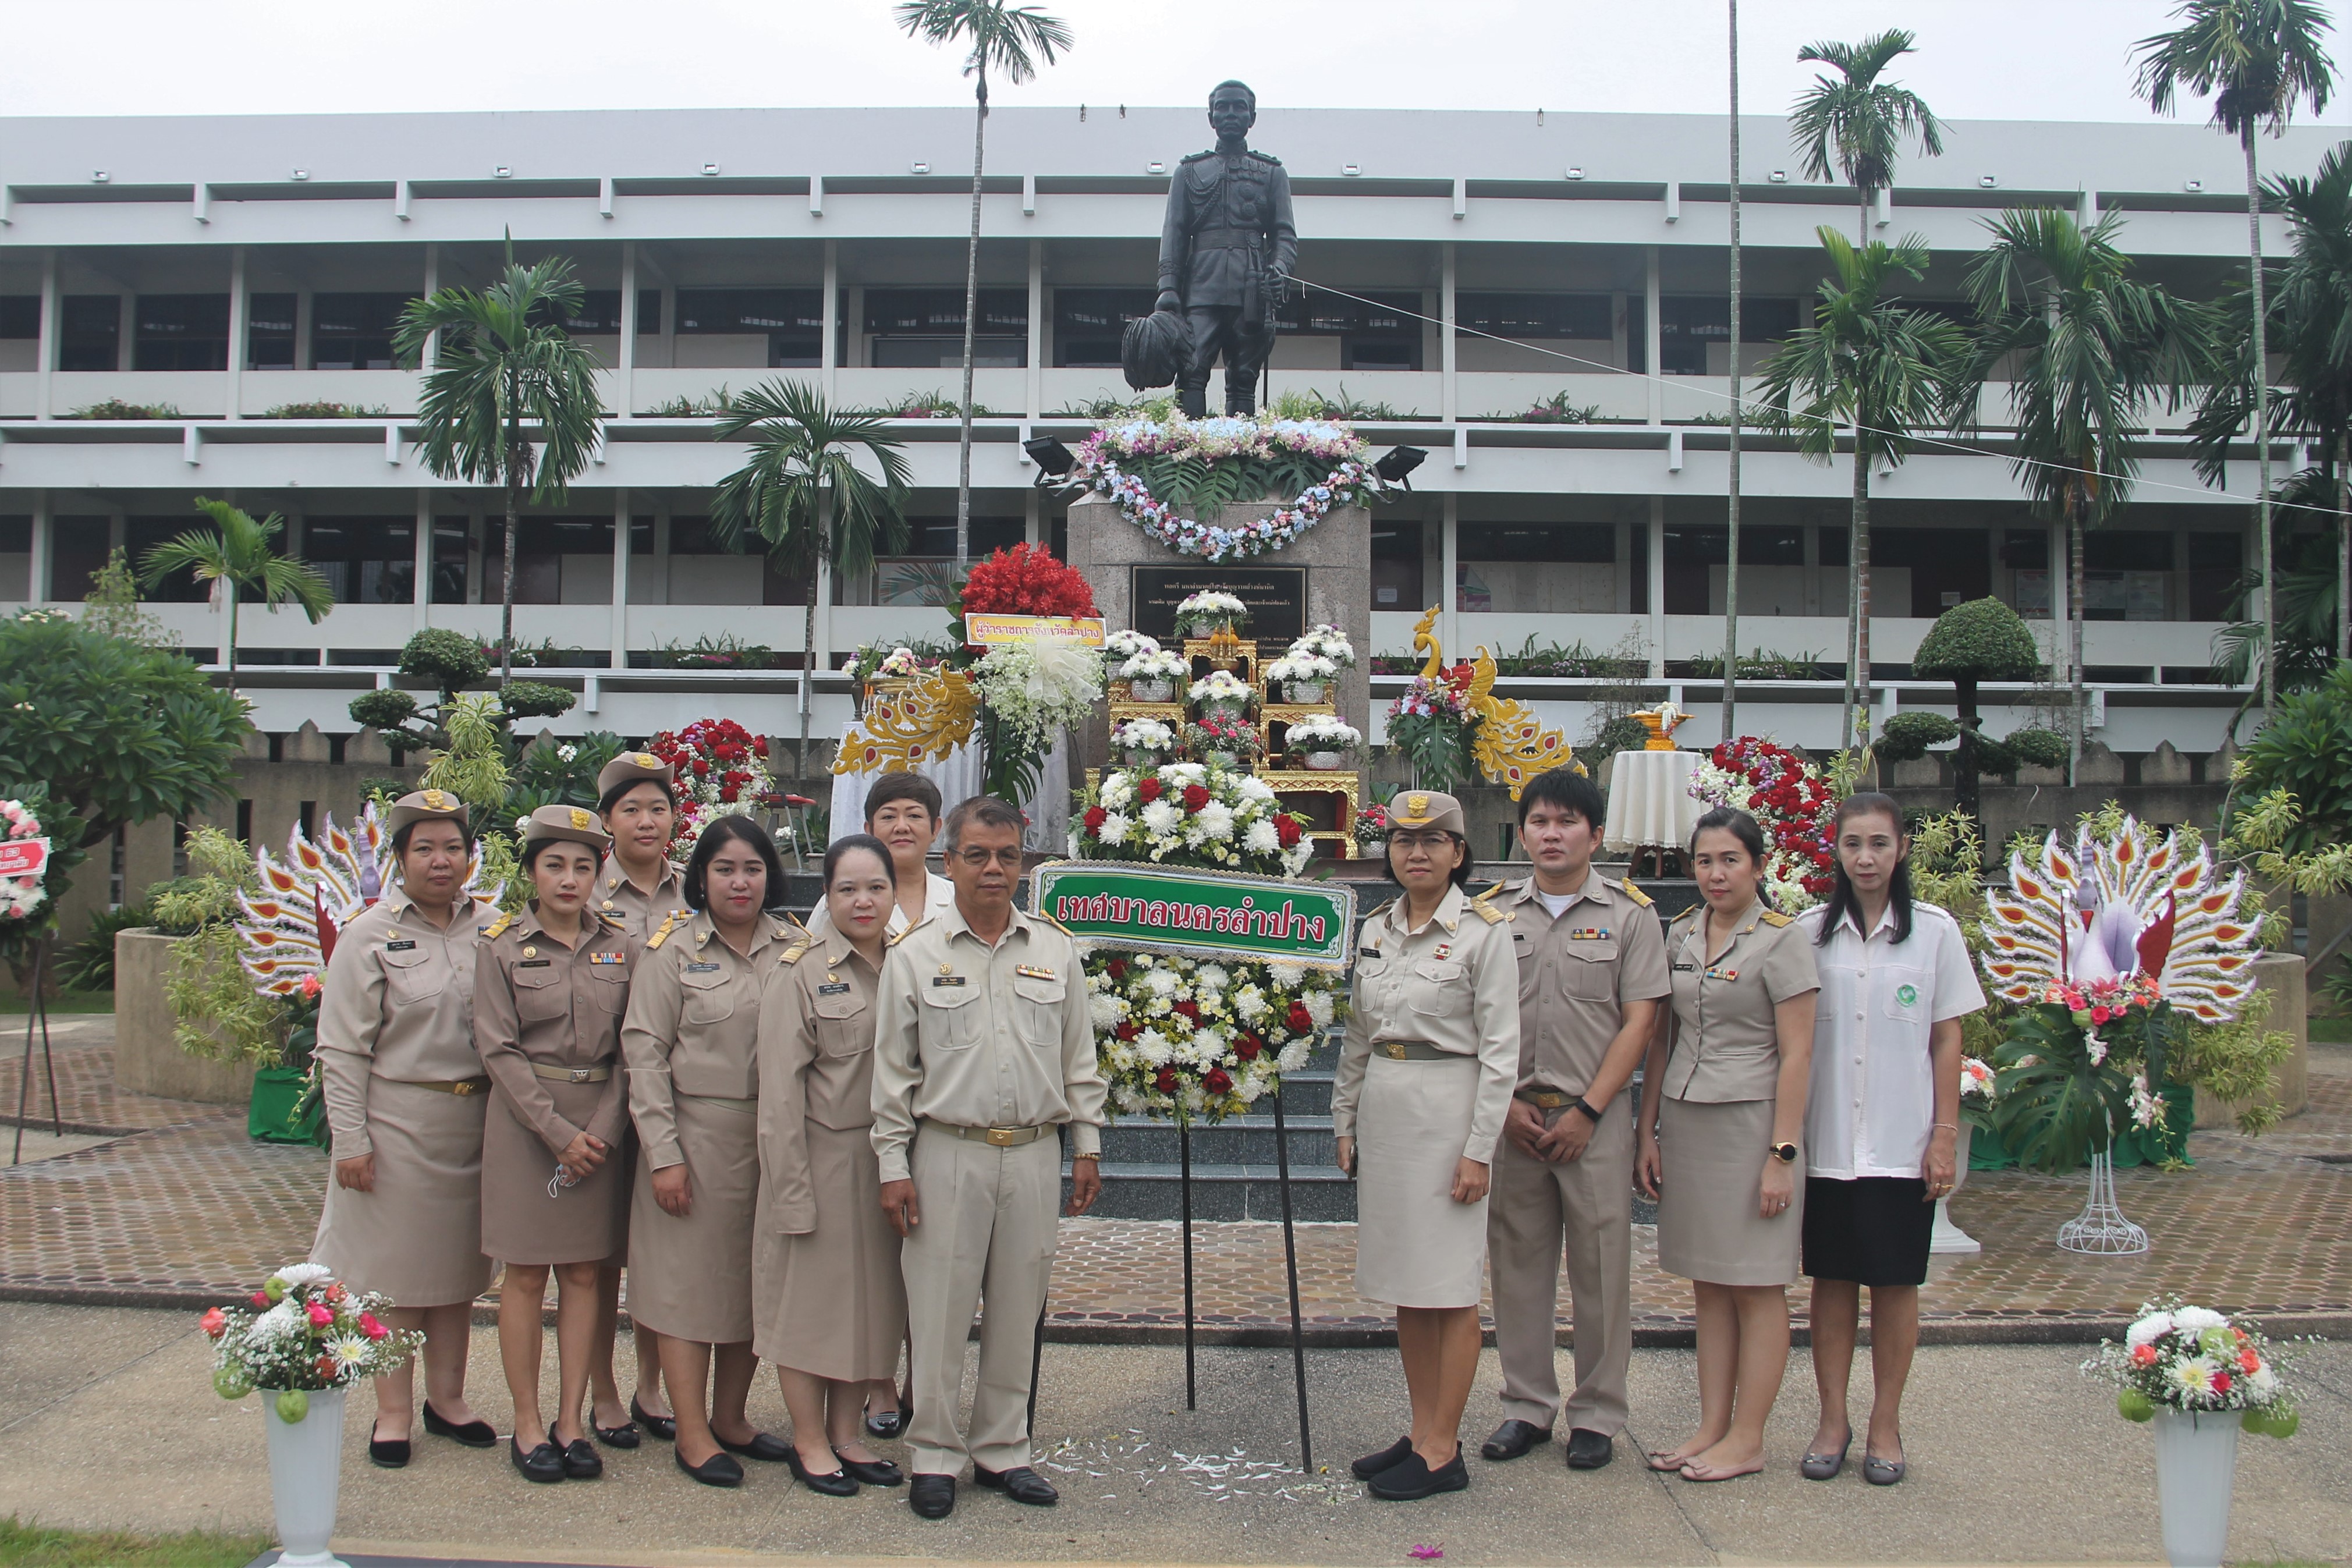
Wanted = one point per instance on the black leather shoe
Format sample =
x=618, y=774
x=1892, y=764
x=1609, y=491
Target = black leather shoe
x=387, y=1452
x=881, y=1473
x=1372, y=1464
x=580, y=1461
x=766, y=1449
x=835, y=1484
x=886, y=1424
x=1410, y=1478
x=1588, y=1450
x=718, y=1470
x=544, y=1463
x=662, y=1427
x=1020, y=1483
x=1512, y=1439
x=473, y=1434
x=625, y=1436
x=933, y=1496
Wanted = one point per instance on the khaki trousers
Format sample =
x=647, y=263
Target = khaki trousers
x=989, y=1223
x=1586, y=1204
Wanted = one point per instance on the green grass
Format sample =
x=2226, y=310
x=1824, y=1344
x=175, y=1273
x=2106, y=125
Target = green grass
x=65, y=1001
x=2331, y=1031
x=24, y=1545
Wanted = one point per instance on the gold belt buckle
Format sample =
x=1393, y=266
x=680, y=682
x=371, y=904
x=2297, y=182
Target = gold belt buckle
x=580, y=1075
x=1001, y=1137
x=1395, y=1049
x=462, y=1087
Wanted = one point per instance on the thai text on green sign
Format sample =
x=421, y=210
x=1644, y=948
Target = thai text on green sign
x=1198, y=914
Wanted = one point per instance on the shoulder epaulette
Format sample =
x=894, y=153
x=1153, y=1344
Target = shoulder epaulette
x=1266, y=157
x=1688, y=914
x=500, y=925
x=1634, y=894
x=616, y=922
x=1196, y=157
x=908, y=931
x=1488, y=912
x=790, y=930
x=1775, y=918
x=1489, y=890
x=661, y=935
x=1050, y=921
x=798, y=951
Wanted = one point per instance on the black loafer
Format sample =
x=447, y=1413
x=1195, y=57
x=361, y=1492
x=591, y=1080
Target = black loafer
x=473, y=1434
x=718, y=1470
x=766, y=1449
x=625, y=1436
x=932, y=1496
x=662, y=1427
x=1412, y=1479
x=544, y=1463
x=1372, y=1464
x=1512, y=1439
x=881, y=1473
x=886, y=1424
x=1020, y=1483
x=387, y=1452
x=835, y=1484
x=581, y=1462
x=1588, y=1450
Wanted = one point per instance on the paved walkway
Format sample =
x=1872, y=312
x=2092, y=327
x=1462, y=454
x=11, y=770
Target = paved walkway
x=177, y=1206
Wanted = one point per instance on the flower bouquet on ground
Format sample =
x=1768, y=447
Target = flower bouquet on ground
x=1144, y=743
x=1209, y=611
x=1222, y=741
x=1220, y=691
x=1323, y=741
x=721, y=767
x=303, y=1333
x=1979, y=1089
x=1152, y=676
x=1793, y=801
x=1305, y=675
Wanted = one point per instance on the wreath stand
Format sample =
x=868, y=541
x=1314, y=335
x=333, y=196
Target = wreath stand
x=37, y=1016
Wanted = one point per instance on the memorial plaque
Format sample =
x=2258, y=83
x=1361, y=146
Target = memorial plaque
x=1276, y=598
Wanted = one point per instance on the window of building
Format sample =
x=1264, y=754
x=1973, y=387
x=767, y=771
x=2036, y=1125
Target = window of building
x=922, y=329
x=1396, y=565
x=1089, y=322
x=92, y=333
x=924, y=572
x=269, y=332
x=142, y=534
x=1697, y=554
x=77, y=550
x=1536, y=568
x=354, y=332
x=1524, y=316
x=20, y=315
x=181, y=332
x=599, y=314
x=1689, y=323
x=366, y=559
x=1384, y=334
x=792, y=320
x=450, y=548
x=2216, y=561
x=558, y=561
x=1946, y=566
x=2126, y=575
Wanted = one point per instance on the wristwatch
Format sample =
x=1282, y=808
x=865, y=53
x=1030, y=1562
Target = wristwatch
x=1579, y=1103
x=1785, y=1152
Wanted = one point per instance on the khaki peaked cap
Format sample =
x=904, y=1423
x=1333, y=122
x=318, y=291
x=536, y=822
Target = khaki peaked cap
x=573, y=824
x=1419, y=809
x=427, y=805
x=634, y=767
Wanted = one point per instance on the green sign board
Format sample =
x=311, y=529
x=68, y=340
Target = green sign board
x=1198, y=914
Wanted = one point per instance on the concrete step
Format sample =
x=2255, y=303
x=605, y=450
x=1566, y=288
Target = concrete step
x=1226, y=1192
x=1238, y=1140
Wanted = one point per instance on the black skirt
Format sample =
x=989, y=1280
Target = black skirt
x=1873, y=1230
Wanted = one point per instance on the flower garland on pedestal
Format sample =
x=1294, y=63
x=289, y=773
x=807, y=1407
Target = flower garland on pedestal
x=20, y=896
x=1158, y=470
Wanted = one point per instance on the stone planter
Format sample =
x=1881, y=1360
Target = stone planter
x=147, y=1060
x=2280, y=974
x=1151, y=690
x=1306, y=692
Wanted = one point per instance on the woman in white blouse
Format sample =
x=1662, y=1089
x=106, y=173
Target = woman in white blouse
x=1882, y=1124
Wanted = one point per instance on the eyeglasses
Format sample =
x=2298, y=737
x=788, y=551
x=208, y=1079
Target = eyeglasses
x=1432, y=842
x=979, y=858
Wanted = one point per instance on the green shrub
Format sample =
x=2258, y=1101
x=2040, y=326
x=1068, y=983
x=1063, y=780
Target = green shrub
x=1906, y=737
x=1982, y=639
x=115, y=408
x=1626, y=734
x=88, y=965
x=451, y=660
x=326, y=411
x=2306, y=749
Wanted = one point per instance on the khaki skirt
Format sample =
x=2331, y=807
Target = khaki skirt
x=521, y=1223
x=1708, y=1226
x=832, y=1302
x=690, y=1274
x=1415, y=1246
x=417, y=1238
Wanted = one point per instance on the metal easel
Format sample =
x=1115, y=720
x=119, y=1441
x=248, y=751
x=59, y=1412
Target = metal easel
x=37, y=1016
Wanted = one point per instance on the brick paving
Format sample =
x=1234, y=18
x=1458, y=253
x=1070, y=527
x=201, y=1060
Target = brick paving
x=184, y=1207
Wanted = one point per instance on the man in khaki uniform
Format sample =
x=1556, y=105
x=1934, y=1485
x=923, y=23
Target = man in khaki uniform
x=1592, y=965
x=983, y=1047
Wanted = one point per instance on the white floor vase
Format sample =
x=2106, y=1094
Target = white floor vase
x=306, y=1471
x=1947, y=1237
x=2196, y=1467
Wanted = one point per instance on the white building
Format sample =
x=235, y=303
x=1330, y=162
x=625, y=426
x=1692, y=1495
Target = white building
x=229, y=270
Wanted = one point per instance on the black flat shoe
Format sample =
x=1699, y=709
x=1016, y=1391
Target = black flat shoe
x=580, y=1461
x=1410, y=1478
x=662, y=1427
x=887, y=1425
x=763, y=1446
x=837, y=1484
x=625, y=1436
x=1020, y=1483
x=1372, y=1464
x=544, y=1463
x=1512, y=1439
x=1588, y=1450
x=881, y=1473
x=932, y=1496
x=387, y=1452
x=473, y=1434
x=718, y=1470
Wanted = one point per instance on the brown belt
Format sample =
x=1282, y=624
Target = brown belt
x=462, y=1085
x=994, y=1137
x=571, y=1075
x=1416, y=1051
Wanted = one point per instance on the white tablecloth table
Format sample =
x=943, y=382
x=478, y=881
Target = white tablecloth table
x=1650, y=803
x=958, y=777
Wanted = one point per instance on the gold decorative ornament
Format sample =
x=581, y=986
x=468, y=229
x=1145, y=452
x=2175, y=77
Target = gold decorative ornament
x=647, y=760
x=530, y=952
x=1416, y=805
x=922, y=721
x=1658, y=725
x=582, y=819
x=435, y=801
x=1510, y=745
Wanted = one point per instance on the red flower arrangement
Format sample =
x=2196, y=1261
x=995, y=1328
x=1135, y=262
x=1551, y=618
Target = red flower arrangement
x=1791, y=800
x=719, y=767
x=1024, y=580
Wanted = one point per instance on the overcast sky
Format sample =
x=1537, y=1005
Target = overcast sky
x=2042, y=59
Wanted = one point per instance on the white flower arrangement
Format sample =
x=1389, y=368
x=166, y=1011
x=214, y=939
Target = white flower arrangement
x=1222, y=688
x=1296, y=666
x=1037, y=689
x=1205, y=611
x=1143, y=735
x=1326, y=641
x=301, y=1333
x=1323, y=733
x=2176, y=1357
x=1155, y=664
x=1125, y=644
x=1186, y=814
x=1178, y=1037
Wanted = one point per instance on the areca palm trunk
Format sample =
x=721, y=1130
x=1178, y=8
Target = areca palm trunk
x=516, y=465
x=2261, y=421
x=2344, y=543
x=971, y=320
x=808, y=620
x=2077, y=503
x=228, y=586
x=1731, y=488
x=1858, y=570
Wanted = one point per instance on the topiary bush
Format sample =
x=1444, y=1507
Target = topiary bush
x=1906, y=737
x=1982, y=639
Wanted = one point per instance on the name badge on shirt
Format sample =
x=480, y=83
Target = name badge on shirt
x=533, y=962
x=1588, y=933
x=614, y=958
x=947, y=979
x=1368, y=952
x=701, y=969
x=1685, y=968
x=838, y=988
x=1032, y=971
x=400, y=947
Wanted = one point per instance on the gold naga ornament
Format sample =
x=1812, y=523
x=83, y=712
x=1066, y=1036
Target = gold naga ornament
x=911, y=723
x=1510, y=744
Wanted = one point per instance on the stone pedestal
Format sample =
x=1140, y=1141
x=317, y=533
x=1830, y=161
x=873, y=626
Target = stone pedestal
x=147, y=1058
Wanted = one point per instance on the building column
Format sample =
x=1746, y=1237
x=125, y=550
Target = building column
x=627, y=369
x=424, y=593
x=828, y=352
x=36, y=576
x=126, y=333
x=657, y=585
x=473, y=558
x=1654, y=301
x=237, y=331
x=302, y=344
x=1451, y=400
x=1037, y=326
x=1033, y=519
x=621, y=572
x=1657, y=606
x=49, y=324
x=1812, y=537
x=432, y=287
x=1450, y=569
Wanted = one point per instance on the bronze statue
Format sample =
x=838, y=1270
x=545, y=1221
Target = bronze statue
x=1225, y=256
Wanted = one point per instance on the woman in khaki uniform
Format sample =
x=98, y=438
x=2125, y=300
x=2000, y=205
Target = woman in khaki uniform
x=405, y=1096
x=551, y=987
x=1723, y=1107
x=1423, y=1083
x=691, y=1040
x=829, y=1301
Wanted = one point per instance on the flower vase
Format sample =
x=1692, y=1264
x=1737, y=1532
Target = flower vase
x=2196, y=1466
x=1218, y=759
x=1148, y=690
x=1225, y=709
x=306, y=1468
x=1948, y=1236
x=2101, y=1227
x=1308, y=692
x=1138, y=761
x=1327, y=761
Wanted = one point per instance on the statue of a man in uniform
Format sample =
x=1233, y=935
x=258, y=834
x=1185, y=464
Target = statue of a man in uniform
x=1225, y=255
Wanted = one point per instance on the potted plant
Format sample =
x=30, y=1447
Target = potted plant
x=1221, y=694
x=1123, y=644
x=1222, y=741
x=1144, y=743
x=2202, y=1378
x=1209, y=612
x=303, y=1340
x=1152, y=677
x=1980, y=1084
x=1306, y=676
x=1326, y=641
x=1372, y=829
x=1323, y=741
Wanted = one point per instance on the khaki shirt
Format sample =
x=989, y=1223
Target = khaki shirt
x=398, y=1003
x=1726, y=1041
x=938, y=895
x=983, y=1036
x=1577, y=972
x=537, y=1002
x=693, y=1024
x=816, y=1057
x=641, y=913
x=1454, y=985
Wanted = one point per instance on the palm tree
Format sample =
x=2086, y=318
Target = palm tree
x=803, y=491
x=2091, y=348
x=2257, y=59
x=1858, y=122
x=1731, y=476
x=1885, y=370
x=1011, y=39
x=505, y=361
x=236, y=556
